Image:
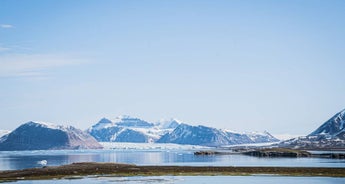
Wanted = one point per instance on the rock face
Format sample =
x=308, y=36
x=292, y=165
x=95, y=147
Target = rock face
x=44, y=136
x=330, y=135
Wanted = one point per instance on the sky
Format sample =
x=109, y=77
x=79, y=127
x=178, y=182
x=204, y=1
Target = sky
x=240, y=65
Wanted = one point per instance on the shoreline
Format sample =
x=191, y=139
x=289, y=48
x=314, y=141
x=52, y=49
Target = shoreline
x=85, y=169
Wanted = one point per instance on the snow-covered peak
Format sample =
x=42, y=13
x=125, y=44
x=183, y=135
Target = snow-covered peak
x=169, y=123
x=262, y=137
x=120, y=121
x=46, y=125
x=333, y=127
x=4, y=132
x=103, y=123
x=128, y=121
x=264, y=133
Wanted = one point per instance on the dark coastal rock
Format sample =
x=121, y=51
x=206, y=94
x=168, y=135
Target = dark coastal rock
x=277, y=152
x=204, y=153
x=44, y=136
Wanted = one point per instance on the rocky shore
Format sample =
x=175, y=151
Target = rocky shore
x=116, y=169
x=274, y=152
x=278, y=152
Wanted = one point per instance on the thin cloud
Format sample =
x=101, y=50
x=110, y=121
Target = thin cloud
x=33, y=65
x=6, y=26
x=3, y=49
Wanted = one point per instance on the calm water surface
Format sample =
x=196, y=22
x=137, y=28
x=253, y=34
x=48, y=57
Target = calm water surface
x=197, y=180
x=28, y=159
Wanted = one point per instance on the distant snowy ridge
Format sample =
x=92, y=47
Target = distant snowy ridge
x=129, y=129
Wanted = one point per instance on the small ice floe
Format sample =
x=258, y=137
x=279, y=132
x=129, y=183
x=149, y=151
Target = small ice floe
x=42, y=162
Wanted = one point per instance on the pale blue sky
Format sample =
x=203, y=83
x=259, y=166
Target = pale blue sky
x=241, y=65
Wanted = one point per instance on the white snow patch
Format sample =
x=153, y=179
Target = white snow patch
x=153, y=132
x=230, y=131
x=49, y=125
x=4, y=132
x=166, y=123
x=45, y=124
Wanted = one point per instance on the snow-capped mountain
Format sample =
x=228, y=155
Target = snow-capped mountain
x=121, y=121
x=169, y=124
x=330, y=135
x=195, y=135
x=42, y=136
x=261, y=137
x=128, y=129
x=333, y=128
x=208, y=136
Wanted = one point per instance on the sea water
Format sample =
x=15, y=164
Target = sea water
x=13, y=160
x=153, y=154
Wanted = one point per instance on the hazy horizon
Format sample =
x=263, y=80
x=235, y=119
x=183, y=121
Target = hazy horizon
x=242, y=65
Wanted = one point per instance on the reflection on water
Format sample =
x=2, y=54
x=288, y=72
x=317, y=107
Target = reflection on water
x=198, y=180
x=29, y=159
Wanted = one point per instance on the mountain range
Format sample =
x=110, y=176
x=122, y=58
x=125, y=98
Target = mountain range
x=40, y=135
